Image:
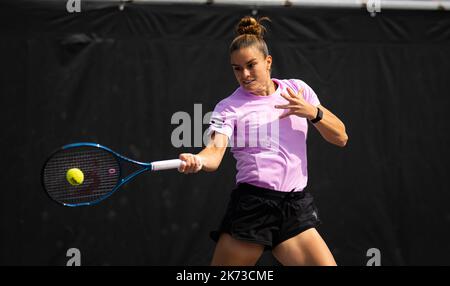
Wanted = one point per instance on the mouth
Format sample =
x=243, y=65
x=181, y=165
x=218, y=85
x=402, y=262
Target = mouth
x=247, y=82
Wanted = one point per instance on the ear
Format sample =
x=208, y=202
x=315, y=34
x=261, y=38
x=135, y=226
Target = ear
x=269, y=62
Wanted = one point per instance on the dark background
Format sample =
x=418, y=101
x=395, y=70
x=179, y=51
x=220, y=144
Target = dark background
x=117, y=77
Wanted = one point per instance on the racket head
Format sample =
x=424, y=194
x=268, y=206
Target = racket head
x=101, y=169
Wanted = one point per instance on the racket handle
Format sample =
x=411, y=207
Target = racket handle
x=166, y=164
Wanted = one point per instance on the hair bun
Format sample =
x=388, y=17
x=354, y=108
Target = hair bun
x=249, y=25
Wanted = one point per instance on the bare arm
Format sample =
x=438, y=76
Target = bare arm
x=330, y=127
x=209, y=158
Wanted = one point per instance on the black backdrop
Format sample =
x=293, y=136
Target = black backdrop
x=117, y=77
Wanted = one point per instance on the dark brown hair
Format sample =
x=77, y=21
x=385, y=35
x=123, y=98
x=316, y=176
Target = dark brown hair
x=250, y=33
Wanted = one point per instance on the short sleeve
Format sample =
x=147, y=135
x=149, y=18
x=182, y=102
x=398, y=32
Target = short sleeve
x=222, y=120
x=308, y=93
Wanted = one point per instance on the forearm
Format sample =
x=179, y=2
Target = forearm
x=213, y=153
x=211, y=158
x=208, y=159
x=331, y=128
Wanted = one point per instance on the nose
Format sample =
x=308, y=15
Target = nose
x=246, y=73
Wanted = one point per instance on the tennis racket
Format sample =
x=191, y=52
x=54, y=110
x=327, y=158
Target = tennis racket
x=100, y=172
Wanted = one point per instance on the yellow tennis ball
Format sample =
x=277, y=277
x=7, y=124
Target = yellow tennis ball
x=75, y=176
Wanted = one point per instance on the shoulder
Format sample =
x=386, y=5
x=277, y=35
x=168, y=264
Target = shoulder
x=296, y=85
x=293, y=83
x=231, y=102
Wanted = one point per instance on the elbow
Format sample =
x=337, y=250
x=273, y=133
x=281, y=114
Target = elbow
x=210, y=169
x=342, y=142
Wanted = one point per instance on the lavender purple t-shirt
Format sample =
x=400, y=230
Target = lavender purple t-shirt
x=270, y=152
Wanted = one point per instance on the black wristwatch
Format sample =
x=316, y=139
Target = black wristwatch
x=318, y=116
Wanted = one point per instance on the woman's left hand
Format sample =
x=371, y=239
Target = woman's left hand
x=297, y=105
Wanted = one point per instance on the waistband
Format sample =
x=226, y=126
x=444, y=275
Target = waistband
x=260, y=191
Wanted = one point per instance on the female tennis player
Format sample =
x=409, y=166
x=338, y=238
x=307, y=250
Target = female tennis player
x=266, y=122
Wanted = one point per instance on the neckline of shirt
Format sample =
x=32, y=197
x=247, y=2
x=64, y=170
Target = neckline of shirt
x=259, y=97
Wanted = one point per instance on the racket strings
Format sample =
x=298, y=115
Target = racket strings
x=100, y=168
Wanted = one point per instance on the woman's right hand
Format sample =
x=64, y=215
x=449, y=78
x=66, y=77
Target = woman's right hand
x=191, y=163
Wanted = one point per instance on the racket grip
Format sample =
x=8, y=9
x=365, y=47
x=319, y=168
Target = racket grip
x=166, y=164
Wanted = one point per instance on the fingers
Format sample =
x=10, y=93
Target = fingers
x=286, y=114
x=191, y=163
x=286, y=106
x=182, y=166
x=300, y=92
x=294, y=95
x=291, y=96
x=296, y=103
x=291, y=92
x=287, y=97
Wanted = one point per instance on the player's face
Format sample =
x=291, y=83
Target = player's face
x=252, y=69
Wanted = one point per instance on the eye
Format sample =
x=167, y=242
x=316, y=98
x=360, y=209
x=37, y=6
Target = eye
x=252, y=65
x=236, y=68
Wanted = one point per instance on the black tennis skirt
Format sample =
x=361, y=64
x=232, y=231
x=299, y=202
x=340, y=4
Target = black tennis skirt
x=267, y=217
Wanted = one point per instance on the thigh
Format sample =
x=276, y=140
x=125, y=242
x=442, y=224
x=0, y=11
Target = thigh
x=306, y=248
x=232, y=252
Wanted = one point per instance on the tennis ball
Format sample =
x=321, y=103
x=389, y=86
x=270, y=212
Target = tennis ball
x=75, y=176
